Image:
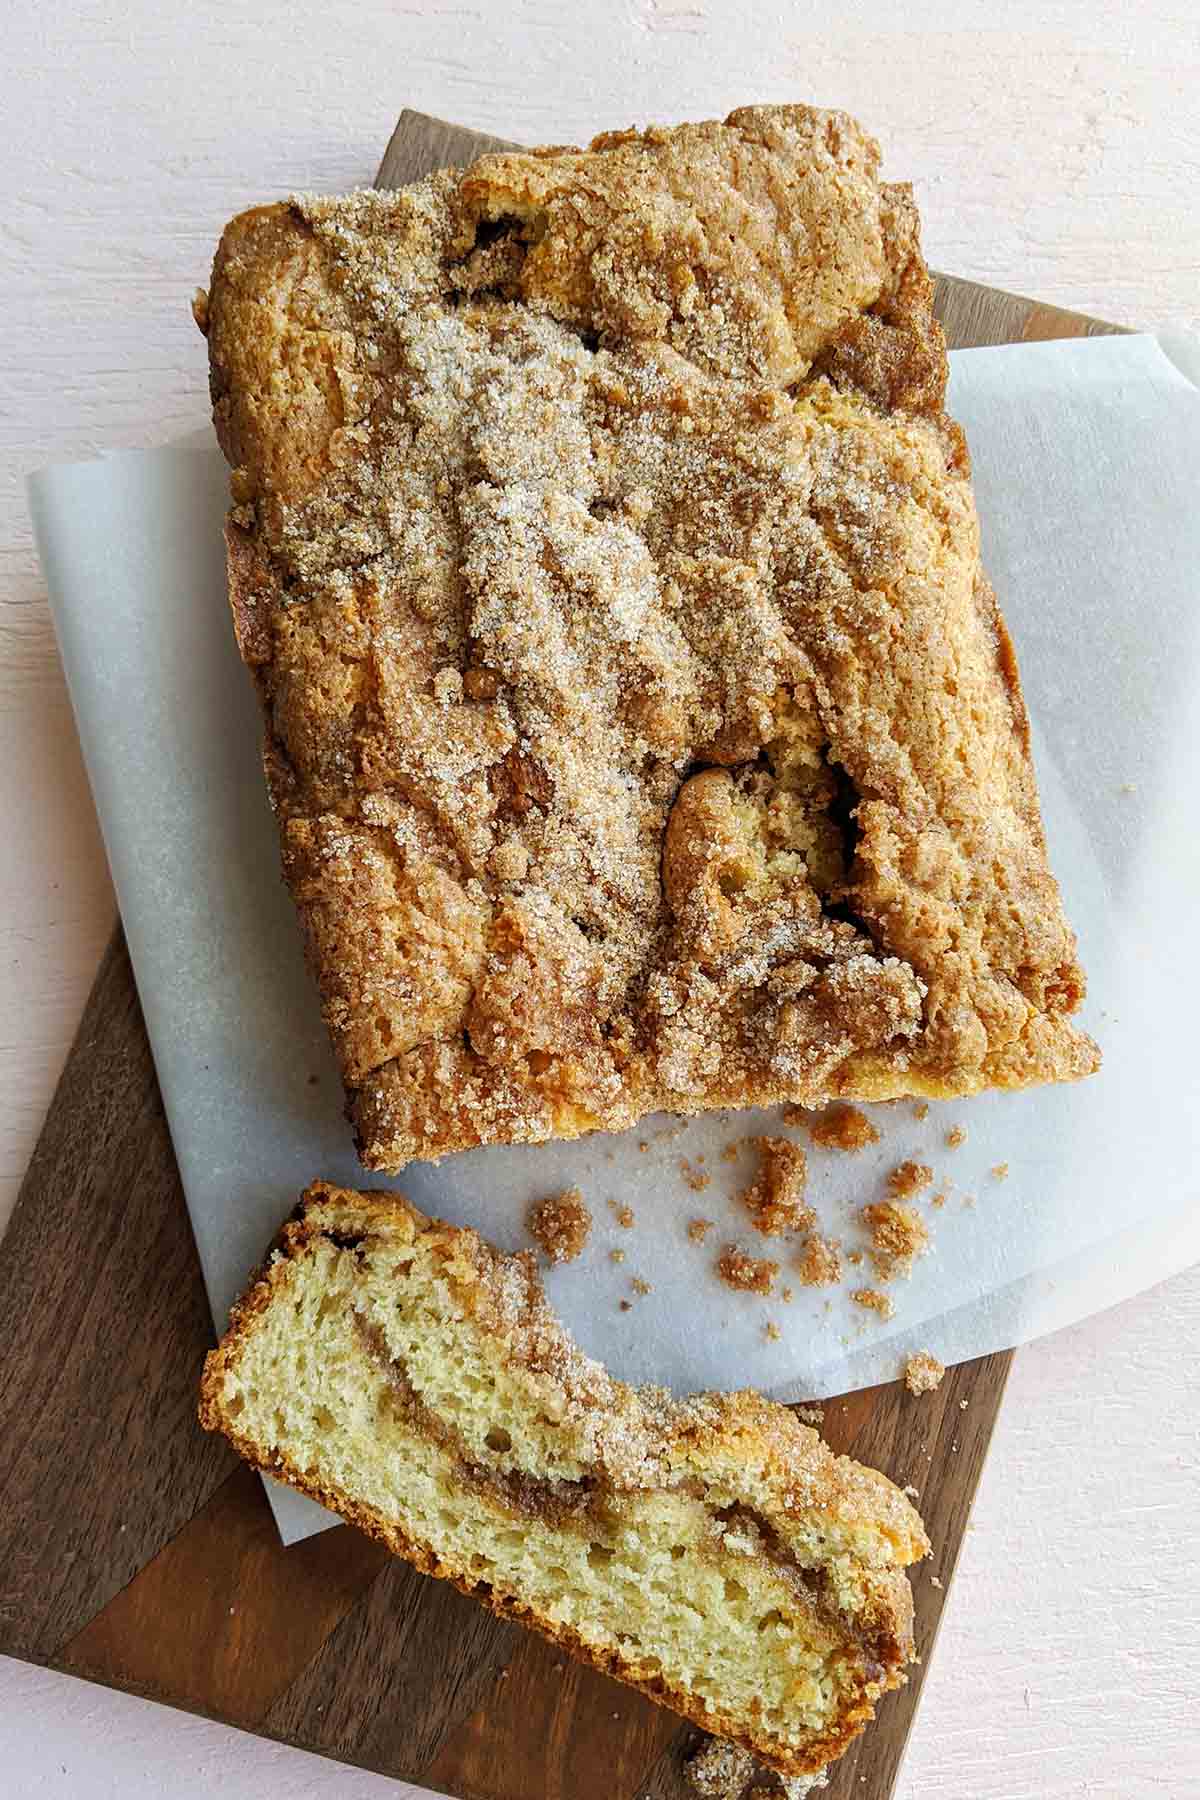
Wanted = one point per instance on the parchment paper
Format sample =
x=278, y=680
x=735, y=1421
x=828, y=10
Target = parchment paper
x=1085, y=458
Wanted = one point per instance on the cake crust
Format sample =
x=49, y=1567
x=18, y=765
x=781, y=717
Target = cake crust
x=747, y=1457
x=642, y=729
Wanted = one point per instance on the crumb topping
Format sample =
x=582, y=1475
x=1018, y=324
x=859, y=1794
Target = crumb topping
x=561, y=1225
x=641, y=727
x=874, y=1301
x=819, y=1263
x=749, y=1274
x=774, y=1199
x=843, y=1128
x=898, y=1236
x=910, y=1178
x=923, y=1372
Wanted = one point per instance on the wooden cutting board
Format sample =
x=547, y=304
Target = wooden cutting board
x=137, y=1551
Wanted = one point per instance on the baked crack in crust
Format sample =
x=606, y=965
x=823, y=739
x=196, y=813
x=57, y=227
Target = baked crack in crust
x=642, y=730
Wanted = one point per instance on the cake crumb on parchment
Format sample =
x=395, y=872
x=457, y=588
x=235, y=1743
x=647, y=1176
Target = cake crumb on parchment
x=843, y=1128
x=561, y=1224
x=923, y=1372
x=748, y=1274
x=622, y=1213
x=909, y=1178
x=956, y=1137
x=774, y=1199
x=819, y=1263
x=698, y=1229
x=898, y=1236
x=874, y=1301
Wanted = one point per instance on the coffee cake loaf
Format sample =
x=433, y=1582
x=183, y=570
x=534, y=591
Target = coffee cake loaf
x=641, y=726
x=712, y=1552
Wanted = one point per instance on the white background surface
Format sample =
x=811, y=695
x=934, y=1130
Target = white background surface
x=1056, y=150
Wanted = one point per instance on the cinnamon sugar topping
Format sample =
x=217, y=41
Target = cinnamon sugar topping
x=641, y=727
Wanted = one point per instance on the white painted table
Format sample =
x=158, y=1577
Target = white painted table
x=1056, y=151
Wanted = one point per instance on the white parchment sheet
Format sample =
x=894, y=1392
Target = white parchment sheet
x=1086, y=456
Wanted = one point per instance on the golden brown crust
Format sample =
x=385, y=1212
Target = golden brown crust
x=800, y=1472
x=642, y=728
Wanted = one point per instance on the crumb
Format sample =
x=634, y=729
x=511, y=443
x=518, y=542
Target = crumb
x=698, y=1229
x=617, y=1256
x=921, y=1110
x=819, y=1263
x=622, y=1214
x=909, y=1178
x=785, y=1294
x=719, y=1770
x=898, y=1236
x=732, y=1151
x=625, y=1305
x=771, y=1330
x=934, y=1582
x=561, y=1224
x=854, y=1258
x=643, y=1146
x=641, y=1287
x=1000, y=1171
x=963, y=1405
x=956, y=1136
x=696, y=1179
x=750, y=1274
x=874, y=1301
x=773, y=1199
x=939, y=1200
x=843, y=1128
x=923, y=1373
x=914, y=1493
x=810, y=1415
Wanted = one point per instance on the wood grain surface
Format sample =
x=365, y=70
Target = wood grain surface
x=135, y=1551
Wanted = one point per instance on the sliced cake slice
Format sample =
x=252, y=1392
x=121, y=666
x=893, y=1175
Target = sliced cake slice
x=712, y=1552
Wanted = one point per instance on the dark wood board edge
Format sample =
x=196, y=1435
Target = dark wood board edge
x=90, y=1621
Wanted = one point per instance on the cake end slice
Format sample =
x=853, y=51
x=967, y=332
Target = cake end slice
x=712, y=1552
